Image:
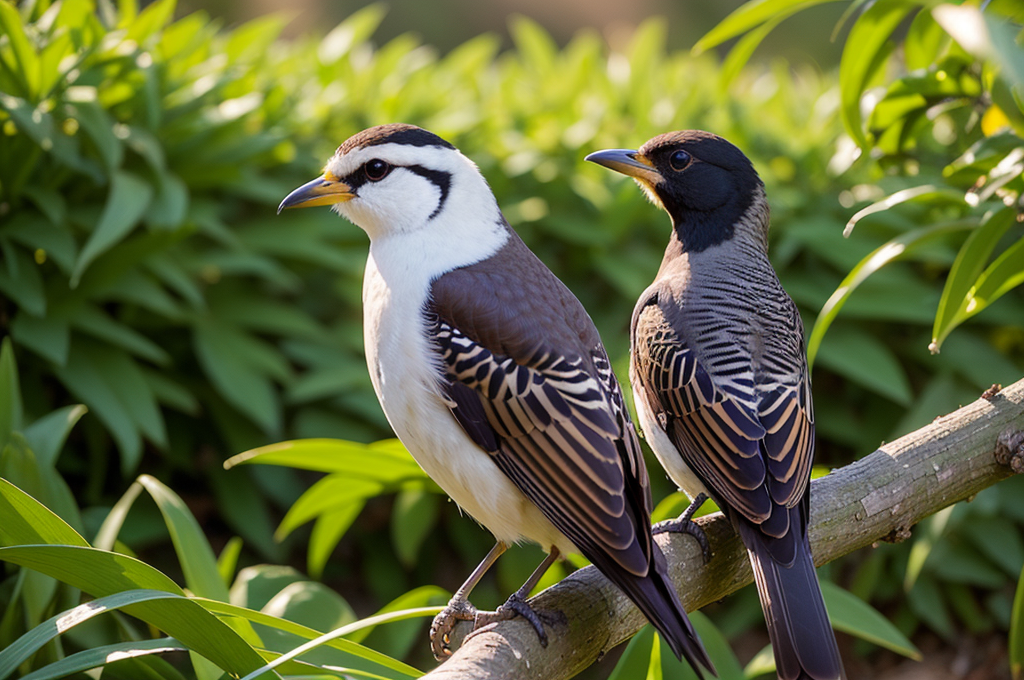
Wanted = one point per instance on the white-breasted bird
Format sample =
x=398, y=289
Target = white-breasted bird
x=493, y=375
x=720, y=380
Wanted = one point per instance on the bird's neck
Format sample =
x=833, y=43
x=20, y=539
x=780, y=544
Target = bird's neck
x=695, y=232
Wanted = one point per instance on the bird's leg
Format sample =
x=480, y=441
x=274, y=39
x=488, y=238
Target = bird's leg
x=684, y=524
x=459, y=607
x=517, y=604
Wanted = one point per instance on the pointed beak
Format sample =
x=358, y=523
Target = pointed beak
x=628, y=162
x=324, y=190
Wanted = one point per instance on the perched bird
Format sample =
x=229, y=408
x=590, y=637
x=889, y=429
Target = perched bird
x=493, y=375
x=719, y=375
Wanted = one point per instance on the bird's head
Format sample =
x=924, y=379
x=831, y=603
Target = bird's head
x=396, y=178
x=708, y=187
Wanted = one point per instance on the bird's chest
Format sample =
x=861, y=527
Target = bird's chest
x=402, y=362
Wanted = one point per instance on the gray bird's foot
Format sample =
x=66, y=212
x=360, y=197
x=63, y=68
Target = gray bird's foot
x=516, y=605
x=684, y=524
x=458, y=609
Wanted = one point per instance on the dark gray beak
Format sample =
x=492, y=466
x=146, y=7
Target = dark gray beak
x=627, y=161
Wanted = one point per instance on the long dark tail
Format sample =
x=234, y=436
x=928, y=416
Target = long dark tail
x=802, y=638
x=655, y=596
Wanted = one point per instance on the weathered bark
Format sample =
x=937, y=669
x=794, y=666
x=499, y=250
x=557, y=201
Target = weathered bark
x=879, y=497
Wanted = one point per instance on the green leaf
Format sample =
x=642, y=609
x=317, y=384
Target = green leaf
x=928, y=194
x=21, y=281
x=24, y=647
x=104, y=655
x=901, y=246
x=91, y=319
x=100, y=127
x=194, y=553
x=126, y=203
x=741, y=52
x=102, y=573
x=170, y=205
x=717, y=646
x=928, y=603
x=330, y=526
x=852, y=615
x=1000, y=541
x=762, y=663
x=999, y=278
x=1016, y=639
x=384, y=461
x=866, y=47
x=416, y=600
x=654, y=670
x=83, y=379
x=636, y=660
x=748, y=16
x=227, y=561
x=867, y=361
x=39, y=126
x=10, y=394
x=334, y=492
x=151, y=20
x=966, y=270
x=106, y=536
x=380, y=663
x=27, y=521
x=47, y=435
x=928, y=533
x=311, y=604
x=355, y=29
x=239, y=365
x=124, y=378
x=48, y=337
x=413, y=515
x=26, y=65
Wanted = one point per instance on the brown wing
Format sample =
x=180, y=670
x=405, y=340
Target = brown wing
x=753, y=454
x=554, y=426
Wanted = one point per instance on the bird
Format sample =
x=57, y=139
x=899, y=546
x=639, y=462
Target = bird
x=718, y=369
x=494, y=377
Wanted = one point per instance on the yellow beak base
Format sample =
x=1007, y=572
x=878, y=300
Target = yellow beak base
x=321, y=191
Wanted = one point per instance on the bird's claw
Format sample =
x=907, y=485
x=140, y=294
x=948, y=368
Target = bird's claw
x=444, y=623
x=516, y=605
x=461, y=610
x=684, y=524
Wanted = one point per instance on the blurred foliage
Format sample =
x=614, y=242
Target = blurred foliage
x=145, y=275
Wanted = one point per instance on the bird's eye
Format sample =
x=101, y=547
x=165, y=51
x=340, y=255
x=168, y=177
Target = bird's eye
x=376, y=170
x=679, y=160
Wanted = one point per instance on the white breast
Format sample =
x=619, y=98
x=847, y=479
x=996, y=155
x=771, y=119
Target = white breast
x=404, y=371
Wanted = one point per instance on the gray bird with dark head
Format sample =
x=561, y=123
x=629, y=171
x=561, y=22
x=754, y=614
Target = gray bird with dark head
x=719, y=375
x=494, y=377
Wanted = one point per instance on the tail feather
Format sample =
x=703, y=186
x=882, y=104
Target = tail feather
x=656, y=597
x=798, y=625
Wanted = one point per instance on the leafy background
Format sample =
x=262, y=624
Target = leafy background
x=158, y=318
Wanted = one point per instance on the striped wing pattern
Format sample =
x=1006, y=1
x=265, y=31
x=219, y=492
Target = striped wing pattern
x=556, y=426
x=752, y=448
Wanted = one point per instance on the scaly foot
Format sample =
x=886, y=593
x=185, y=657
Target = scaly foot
x=684, y=524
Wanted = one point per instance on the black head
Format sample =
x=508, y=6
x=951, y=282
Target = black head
x=704, y=183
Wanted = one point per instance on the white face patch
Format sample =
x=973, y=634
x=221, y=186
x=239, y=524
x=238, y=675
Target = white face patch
x=425, y=182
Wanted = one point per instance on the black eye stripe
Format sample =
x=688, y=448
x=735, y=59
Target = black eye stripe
x=439, y=178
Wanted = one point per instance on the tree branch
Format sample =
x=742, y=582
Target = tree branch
x=879, y=497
